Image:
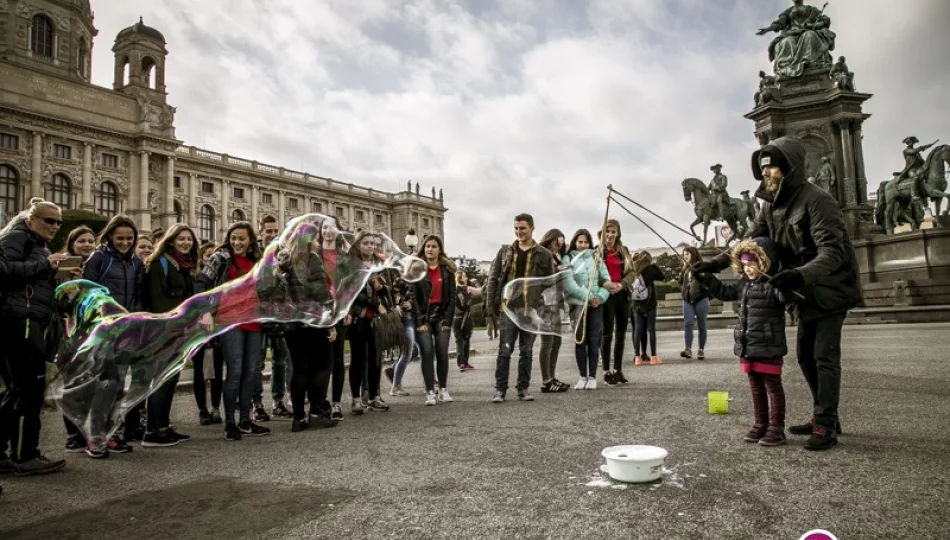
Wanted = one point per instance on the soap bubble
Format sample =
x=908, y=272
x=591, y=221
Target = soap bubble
x=110, y=360
x=539, y=305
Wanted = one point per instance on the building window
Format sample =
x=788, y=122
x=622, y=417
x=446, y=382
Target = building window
x=207, y=187
x=9, y=188
x=340, y=211
x=60, y=191
x=179, y=213
x=177, y=182
x=41, y=37
x=267, y=198
x=425, y=222
x=62, y=151
x=82, y=58
x=292, y=203
x=378, y=220
x=237, y=193
x=316, y=207
x=107, y=199
x=206, y=223
x=360, y=216
x=10, y=142
x=237, y=215
x=110, y=161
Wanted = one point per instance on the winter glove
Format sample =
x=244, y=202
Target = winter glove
x=788, y=281
x=706, y=267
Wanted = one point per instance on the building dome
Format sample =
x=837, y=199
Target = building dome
x=142, y=29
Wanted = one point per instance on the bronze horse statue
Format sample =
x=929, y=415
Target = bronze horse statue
x=737, y=214
x=904, y=200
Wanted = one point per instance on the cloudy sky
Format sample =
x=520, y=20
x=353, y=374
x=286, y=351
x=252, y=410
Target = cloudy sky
x=520, y=105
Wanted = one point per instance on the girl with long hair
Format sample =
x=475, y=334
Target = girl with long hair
x=433, y=299
x=170, y=276
x=553, y=241
x=366, y=306
x=463, y=325
x=586, y=286
x=81, y=242
x=643, y=311
x=619, y=265
x=695, y=304
x=242, y=345
x=204, y=373
x=334, y=251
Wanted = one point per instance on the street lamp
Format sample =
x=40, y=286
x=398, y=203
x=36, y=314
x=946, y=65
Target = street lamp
x=412, y=240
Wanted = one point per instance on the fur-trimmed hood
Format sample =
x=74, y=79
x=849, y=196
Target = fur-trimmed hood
x=762, y=248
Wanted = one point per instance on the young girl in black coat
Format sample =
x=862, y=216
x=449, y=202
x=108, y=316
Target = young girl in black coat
x=759, y=334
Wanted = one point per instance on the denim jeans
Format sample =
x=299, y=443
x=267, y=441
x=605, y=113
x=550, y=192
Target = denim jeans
x=644, y=326
x=508, y=333
x=159, y=406
x=282, y=369
x=399, y=369
x=242, y=352
x=462, y=328
x=587, y=353
x=434, y=347
x=698, y=312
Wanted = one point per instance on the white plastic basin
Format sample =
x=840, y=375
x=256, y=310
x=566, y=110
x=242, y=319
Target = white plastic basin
x=634, y=463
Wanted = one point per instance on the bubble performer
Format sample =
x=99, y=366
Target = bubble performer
x=156, y=346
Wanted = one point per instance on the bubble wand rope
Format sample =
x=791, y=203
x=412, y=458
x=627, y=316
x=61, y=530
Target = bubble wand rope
x=596, y=259
x=687, y=265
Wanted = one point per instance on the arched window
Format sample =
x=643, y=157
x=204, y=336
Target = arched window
x=60, y=191
x=148, y=72
x=179, y=214
x=41, y=37
x=206, y=224
x=237, y=215
x=9, y=191
x=82, y=58
x=107, y=199
x=125, y=73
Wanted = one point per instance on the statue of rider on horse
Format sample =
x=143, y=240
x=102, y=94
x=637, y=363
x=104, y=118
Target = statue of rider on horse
x=904, y=198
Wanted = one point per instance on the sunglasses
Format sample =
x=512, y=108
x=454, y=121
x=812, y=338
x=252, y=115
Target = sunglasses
x=52, y=221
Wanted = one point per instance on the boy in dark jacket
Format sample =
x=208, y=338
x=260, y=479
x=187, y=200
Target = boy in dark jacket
x=759, y=334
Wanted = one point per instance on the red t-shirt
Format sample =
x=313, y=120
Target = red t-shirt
x=241, y=266
x=614, y=265
x=435, y=276
x=330, y=257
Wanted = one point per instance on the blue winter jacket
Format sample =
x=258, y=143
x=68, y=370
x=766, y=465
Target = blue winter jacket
x=582, y=264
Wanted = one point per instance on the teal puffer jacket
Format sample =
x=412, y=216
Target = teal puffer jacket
x=581, y=265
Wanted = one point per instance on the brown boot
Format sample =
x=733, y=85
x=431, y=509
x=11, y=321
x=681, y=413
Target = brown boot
x=774, y=436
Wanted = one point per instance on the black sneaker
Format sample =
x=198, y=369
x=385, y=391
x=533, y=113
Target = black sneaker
x=39, y=465
x=118, y=446
x=204, y=418
x=158, y=439
x=7, y=466
x=96, y=451
x=260, y=415
x=250, y=428
x=619, y=378
x=74, y=447
x=137, y=434
x=232, y=433
x=806, y=429
x=216, y=417
x=298, y=426
x=319, y=421
x=174, y=435
x=821, y=439
x=336, y=413
x=280, y=412
x=610, y=379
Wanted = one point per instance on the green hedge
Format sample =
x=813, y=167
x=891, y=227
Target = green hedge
x=73, y=219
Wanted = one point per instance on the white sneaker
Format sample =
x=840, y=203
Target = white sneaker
x=430, y=398
x=581, y=383
x=444, y=396
x=591, y=384
x=398, y=391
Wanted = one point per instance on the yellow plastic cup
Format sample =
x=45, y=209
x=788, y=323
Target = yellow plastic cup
x=718, y=402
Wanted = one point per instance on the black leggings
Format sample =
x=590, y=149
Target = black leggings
x=337, y=349
x=364, y=358
x=310, y=353
x=201, y=396
x=644, y=325
x=616, y=311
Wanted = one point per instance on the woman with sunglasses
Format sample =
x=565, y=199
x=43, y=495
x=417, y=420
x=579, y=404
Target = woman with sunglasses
x=25, y=313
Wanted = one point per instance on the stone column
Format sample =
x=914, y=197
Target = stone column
x=839, y=160
x=281, y=204
x=255, y=195
x=850, y=193
x=87, y=202
x=225, y=220
x=192, y=199
x=36, y=181
x=145, y=218
x=170, y=192
x=862, y=180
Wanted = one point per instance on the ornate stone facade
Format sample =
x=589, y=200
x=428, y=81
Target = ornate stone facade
x=115, y=150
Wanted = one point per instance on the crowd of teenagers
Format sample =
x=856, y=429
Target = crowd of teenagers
x=797, y=257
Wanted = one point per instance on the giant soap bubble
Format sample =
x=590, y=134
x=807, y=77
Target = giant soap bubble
x=110, y=360
x=539, y=305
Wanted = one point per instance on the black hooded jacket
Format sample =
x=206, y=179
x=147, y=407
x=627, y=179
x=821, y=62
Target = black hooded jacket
x=28, y=284
x=807, y=227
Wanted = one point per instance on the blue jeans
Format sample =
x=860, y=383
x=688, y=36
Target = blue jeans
x=282, y=369
x=508, y=333
x=587, y=353
x=698, y=311
x=242, y=352
x=434, y=347
x=399, y=369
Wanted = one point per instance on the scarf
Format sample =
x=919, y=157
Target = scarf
x=185, y=263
